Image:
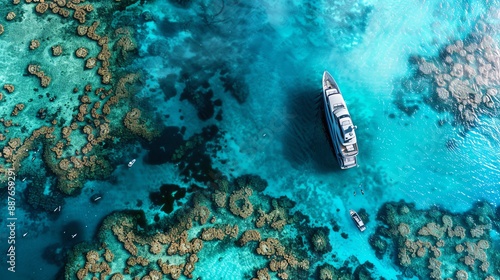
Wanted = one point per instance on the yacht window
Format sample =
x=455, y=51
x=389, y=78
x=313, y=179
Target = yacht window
x=332, y=91
x=349, y=129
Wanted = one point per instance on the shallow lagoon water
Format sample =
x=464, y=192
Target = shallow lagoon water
x=279, y=50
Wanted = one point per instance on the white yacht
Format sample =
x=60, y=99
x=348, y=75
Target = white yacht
x=357, y=220
x=340, y=124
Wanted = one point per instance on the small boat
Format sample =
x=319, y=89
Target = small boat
x=357, y=220
x=340, y=124
x=131, y=163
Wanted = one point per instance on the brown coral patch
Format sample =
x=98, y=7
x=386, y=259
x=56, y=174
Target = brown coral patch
x=10, y=16
x=91, y=63
x=9, y=88
x=249, y=235
x=82, y=30
x=209, y=234
x=269, y=247
x=56, y=50
x=239, y=203
x=64, y=164
x=81, y=52
x=404, y=229
x=220, y=199
x=42, y=7
x=432, y=229
x=34, y=44
x=14, y=143
x=45, y=81
x=79, y=14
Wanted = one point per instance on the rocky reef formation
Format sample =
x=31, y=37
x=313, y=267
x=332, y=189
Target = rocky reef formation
x=128, y=247
x=350, y=270
x=72, y=135
x=435, y=244
x=466, y=81
x=463, y=79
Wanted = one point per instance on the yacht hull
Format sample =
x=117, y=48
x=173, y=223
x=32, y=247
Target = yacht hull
x=357, y=220
x=340, y=126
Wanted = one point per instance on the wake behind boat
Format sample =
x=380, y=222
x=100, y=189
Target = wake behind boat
x=357, y=220
x=339, y=123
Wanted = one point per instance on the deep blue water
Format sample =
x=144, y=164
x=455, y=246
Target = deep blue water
x=258, y=65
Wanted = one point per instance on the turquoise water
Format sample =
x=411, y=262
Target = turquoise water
x=274, y=53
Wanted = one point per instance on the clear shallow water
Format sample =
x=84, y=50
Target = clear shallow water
x=280, y=50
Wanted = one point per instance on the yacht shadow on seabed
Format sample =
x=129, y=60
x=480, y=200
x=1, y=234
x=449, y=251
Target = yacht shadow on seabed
x=306, y=138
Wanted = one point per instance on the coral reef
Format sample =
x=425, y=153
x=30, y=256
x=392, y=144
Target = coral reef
x=72, y=161
x=34, y=44
x=34, y=69
x=249, y=235
x=277, y=218
x=9, y=88
x=351, y=269
x=239, y=203
x=56, y=50
x=438, y=240
x=320, y=241
x=137, y=126
x=10, y=16
x=19, y=107
x=125, y=45
x=81, y=52
x=466, y=83
x=463, y=79
x=42, y=7
x=91, y=63
x=174, y=246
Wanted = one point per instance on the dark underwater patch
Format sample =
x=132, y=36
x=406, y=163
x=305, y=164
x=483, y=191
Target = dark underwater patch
x=166, y=197
x=39, y=201
x=167, y=86
x=55, y=254
x=199, y=94
x=161, y=149
x=72, y=233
